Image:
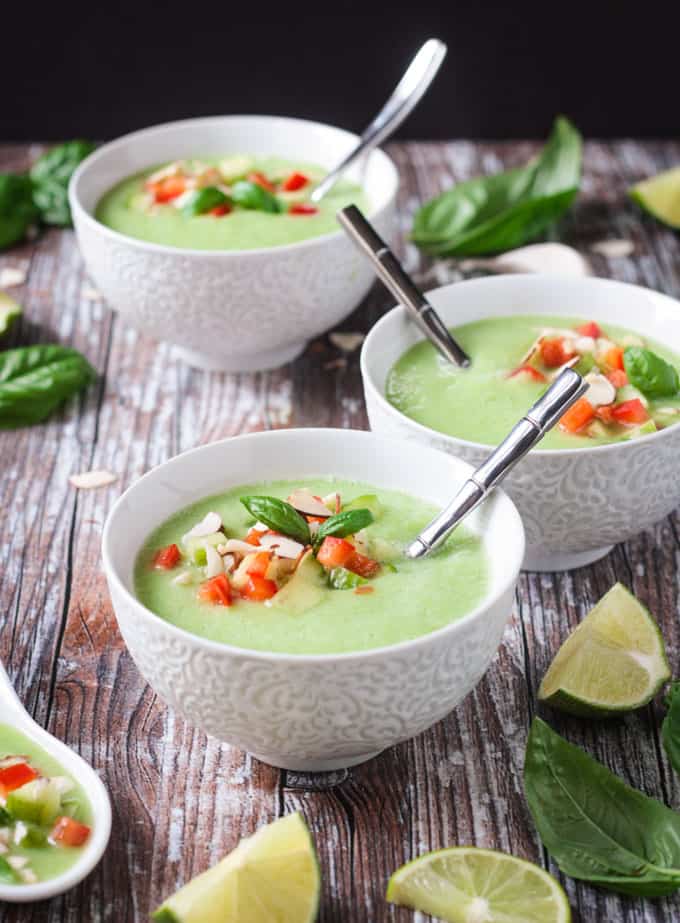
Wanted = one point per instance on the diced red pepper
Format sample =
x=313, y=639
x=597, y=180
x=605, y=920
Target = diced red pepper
x=261, y=180
x=302, y=208
x=294, y=182
x=618, y=378
x=360, y=564
x=529, y=371
x=258, y=588
x=167, y=558
x=15, y=776
x=613, y=358
x=165, y=190
x=577, y=416
x=257, y=567
x=217, y=591
x=633, y=411
x=555, y=352
x=69, y=832
x=363, y=590
x=591, y=329
x=334, y=552
x=253, y=537
x=605, y=413
x=220, y=210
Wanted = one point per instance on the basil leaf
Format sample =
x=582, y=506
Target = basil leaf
x=51, y=175
x=5, y=817
x=650, y=373
x=670, y=728
x=7, y=876
x=35, y=380
x=342, y=579
x=202, y=200
x=495, y=213
x=280, y=516
x=595, y=826
x=346, y=523
x=251, y=195
x=17, y=210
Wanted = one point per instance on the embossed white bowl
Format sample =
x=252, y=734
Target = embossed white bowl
x=231, y=310
x=300, y=711
x=575, y=503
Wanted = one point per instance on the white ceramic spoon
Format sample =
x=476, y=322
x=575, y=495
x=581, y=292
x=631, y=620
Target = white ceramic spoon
x=13, y=713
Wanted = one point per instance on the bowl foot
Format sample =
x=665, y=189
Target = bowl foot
x=252, y=362
x=536, y=559
x=312, y=765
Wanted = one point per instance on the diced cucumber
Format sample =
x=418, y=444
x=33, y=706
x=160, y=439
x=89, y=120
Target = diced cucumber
x=630, y=393
x=366, y=502
x=304, y=589
x=342, y=579
x=597, y=430
x=5, y=817
x=585, y=364
x=648, y=427
x=37, y=802
x=195, y=545
x=35, y=837
x=7, y=875
x=233, y=168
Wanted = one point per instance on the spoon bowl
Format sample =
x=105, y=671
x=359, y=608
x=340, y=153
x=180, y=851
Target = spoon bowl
x=13, y=714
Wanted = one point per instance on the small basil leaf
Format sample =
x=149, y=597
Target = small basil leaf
x=202, y=200
x=5, y=817
x=17, y=209
x=35, y=380
x=670, y=729
x=595, y=826
x=346, y=523
x=650, y=373
x=280, y=516
x=342, y=579
x=51, y=175
x=251, y=195
x=7, y=876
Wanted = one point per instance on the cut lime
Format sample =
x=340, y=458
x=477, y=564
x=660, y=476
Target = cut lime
x=9, y=311
x=271, y=877
x=468, y=885
x=613, y=662
x=660, y=196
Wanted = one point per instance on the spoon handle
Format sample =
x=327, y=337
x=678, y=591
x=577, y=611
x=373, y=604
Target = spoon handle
x=559, y=397
x=392, y=274
x=408, y=93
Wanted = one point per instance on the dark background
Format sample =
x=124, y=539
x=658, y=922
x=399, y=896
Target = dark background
x=101, y=69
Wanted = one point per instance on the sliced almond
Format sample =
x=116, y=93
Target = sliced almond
x=183, y=578
x=613, y=249
x=305, y=502
x=631, y=339
x=240, y=576
x=347, y=342
x=20, y=831
x=531, y=352
x=603, y=345
x=235, y=546
x=283, y=546
x=600, y=390
x=211, y=522
x=229, y=562
x=214, y=566
x=565, y=332
x=260, y=527
x=583, y=345
x=172, y=169
x=88, y=480
x=17, y=862
x=668, y=411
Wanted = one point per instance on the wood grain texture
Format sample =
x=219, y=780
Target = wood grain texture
x=180, y=799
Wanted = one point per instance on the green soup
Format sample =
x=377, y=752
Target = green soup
x=483, y=402
x=270, y=219
x=406, y=598
x=37, y=816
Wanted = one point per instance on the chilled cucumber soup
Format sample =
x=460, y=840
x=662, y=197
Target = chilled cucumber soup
x=482, y=403
x=46, y=861
x=416, y=598
x=126, y=208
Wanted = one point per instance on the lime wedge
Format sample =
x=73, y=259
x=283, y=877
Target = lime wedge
x=613, y=662
x=660, y=196
x=9, y=311
x=468, y=885
x=271, y=877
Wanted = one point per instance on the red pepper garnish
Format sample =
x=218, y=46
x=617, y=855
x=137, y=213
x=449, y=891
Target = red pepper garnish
x=555, y=353
x=591, y=329
x=167, y=189
x=633, y=411
x=618, y=378
x=258, y=588
x=577, y=416
x=167, y=558
x=69, y=832
x=260, y=180
x=15, y=776
x=294, y=182
x=360, y=564
x=334, y=552
x=220, y=210
x=217, y=591
x=529, y=371
x=302, y=208
x=258, y=565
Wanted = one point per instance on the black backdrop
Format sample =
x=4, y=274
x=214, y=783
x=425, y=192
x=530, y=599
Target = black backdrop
x=100, y=69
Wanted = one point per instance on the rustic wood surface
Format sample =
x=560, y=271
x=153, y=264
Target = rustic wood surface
x=181, y=800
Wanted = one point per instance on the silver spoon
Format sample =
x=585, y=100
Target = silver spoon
x=544, y=414
x=410, y=90
x=395, y=278
x=12, y=713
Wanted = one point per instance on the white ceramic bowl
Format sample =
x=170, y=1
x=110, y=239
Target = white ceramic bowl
x=575, y=503
x=231, y=310
x=297, y=711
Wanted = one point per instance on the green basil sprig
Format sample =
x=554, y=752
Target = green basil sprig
x=35, y=380
x=595, y=826
x=280, y=516
x=650, y=373
x=5, y=817
x=17, y=209
x=670, y=728
x=339, y=578
x=494, y=213
x=346, y=523
x=252, y=195
x=51, y=174
x=7, y=876
x=202, y=200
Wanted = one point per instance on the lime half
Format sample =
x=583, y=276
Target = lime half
x=660, y=196
x=469, y=885
x=614, y=661
x=9, y=311
x=271, y=877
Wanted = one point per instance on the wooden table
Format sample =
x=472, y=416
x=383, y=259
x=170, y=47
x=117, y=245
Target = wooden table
x=181, y=800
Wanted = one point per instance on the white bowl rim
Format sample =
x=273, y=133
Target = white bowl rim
x=90, y=163
x=487, y=602
x=456, y=441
